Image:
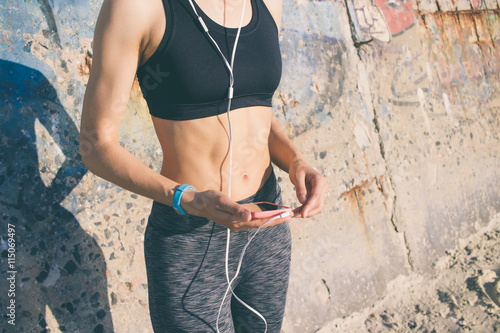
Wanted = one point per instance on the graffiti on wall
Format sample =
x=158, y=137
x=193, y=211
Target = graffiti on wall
x=458, y=47
x=383, y=20
x=380, y=19
x=407, y=83
x=397, y=13
x=464, y=51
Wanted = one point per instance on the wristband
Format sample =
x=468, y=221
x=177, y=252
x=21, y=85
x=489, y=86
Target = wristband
x=177, y=198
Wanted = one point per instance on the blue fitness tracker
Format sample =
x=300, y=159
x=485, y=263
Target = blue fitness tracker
x=177, y=198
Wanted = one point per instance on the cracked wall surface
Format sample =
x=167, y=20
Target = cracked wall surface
x=396, y=102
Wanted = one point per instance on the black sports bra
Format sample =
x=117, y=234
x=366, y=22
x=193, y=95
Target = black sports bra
x=186, y=78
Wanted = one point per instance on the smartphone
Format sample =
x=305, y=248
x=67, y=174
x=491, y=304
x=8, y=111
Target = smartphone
x=265, y=210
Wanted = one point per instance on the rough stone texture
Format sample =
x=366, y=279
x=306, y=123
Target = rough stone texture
x=461, y=295
x=396, y=102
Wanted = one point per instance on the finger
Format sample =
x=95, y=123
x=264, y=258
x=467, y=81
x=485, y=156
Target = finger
x=244, y=225
x=300, y=187
x=314, y=210
x=277, y=221
x=297, y=212
x=234, y=222
x=310, y=206
x=266, y=223
x=256, y=223
x=239, y=212
x=316, y=200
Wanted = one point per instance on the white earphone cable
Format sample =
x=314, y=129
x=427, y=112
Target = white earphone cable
x=229, y=287
x=230, y=67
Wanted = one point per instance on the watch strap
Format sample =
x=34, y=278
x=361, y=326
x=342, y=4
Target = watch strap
x=177, y=198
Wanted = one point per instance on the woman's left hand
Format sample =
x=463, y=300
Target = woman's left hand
x=310, y=186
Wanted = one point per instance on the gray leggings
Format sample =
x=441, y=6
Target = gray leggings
x=186, y=275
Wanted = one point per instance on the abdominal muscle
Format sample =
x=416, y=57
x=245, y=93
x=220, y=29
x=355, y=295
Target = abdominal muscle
x=196, y=152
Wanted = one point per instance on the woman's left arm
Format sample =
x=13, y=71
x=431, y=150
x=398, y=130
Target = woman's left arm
x=310, y=185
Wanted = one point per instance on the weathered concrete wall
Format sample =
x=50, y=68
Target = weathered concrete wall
x=396, y=102
x=410, y=146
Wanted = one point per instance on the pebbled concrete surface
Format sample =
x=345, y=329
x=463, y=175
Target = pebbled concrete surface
x=396, y=102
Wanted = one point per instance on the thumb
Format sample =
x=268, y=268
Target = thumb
x=244, y=213
x=237, y=209
x=300, y=188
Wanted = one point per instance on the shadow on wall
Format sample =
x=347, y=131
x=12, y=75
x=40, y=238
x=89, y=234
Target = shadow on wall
x=59, y=266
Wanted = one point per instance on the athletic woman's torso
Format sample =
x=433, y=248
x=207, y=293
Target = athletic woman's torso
x=195, y=149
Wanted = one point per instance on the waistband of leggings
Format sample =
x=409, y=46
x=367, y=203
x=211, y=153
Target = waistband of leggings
x=263, y=193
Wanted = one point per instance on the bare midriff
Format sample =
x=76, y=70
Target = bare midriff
x=196, y=152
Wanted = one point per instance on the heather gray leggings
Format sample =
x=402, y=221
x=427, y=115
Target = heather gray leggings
x=186, y=277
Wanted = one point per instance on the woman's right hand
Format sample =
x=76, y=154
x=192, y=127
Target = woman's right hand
x=220, y=208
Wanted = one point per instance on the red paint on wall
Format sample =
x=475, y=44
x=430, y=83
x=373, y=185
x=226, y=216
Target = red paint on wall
x=476, y=4
x=397, y=13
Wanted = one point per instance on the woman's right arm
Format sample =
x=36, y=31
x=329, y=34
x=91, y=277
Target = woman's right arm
x=121, y=34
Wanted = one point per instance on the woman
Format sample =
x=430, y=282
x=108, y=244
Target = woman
x=184, y=80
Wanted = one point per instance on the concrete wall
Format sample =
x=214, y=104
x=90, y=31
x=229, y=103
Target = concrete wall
x=396, y=102
x=409, y=145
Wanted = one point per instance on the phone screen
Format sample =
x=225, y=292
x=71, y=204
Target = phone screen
x=263, y=206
